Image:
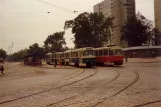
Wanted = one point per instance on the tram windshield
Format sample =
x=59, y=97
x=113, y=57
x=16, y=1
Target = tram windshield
x=88, y=53
x=118, y=52
x=115, y=52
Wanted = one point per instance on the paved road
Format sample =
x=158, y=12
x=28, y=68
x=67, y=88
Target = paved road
x=132, y=85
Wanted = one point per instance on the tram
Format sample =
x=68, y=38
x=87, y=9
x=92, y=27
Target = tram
x=83, y=57
x=50, y=58
x=59, y=58
x=112, y=55
x=76, y=57
x=66, y=58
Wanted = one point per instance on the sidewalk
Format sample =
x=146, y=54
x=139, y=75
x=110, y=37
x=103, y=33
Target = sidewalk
x=144, y=60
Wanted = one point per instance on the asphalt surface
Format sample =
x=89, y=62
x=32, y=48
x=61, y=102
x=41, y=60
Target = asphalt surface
x=131, y=85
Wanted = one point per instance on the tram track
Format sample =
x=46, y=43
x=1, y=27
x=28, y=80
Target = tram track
x=50, y=82
x=58, y=87
x=123, y=89
x=102, y=100
x=75, y=96
x=148, y=103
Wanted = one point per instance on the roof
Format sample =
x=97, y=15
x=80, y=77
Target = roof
x=108, y=48
x=80, y=49
x=83, y=49
x=102, y=48
x=49, y=54
x=142, y=47
x=68, y=51
x=58, y=52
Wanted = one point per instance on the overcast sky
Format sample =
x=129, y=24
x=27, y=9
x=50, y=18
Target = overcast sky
x=25, y=22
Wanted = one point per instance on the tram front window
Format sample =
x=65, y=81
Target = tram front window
x=88, y=53
x=118, y=52
x=115, y=52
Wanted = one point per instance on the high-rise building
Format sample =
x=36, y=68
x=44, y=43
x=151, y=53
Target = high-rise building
x=157, y=8
x=121, y=10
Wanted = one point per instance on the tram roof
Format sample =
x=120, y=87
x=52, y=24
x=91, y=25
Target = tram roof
x=58, y=52
x=49, y=54
x=142, y=47
x=67, y=51
x=111, y=47
x=82, y=49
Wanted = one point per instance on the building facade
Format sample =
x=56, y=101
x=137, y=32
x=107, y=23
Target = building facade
x=121, y=10
x=157, y=9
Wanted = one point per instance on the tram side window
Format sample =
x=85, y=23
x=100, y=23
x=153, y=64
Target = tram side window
x=66, y=55
x=105, y=52
x=111, y=52
x=97, y=53
x=100, y=53
x=76, y=54
x=72, y=55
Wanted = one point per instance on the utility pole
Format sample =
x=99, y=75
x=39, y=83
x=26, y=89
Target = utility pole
x=99, y=24
x=8, y=50
x=99, y=10
x=11, y=48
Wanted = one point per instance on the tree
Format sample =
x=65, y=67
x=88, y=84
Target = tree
x=55, y=42
x=18, y=56
x=65, y=48
x=36, y=50
x=90, y=29
x=137, y=31
x=3, y=54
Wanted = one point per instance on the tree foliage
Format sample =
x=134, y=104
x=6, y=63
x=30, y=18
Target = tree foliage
x=137, y=31
x=55, y=42
x=35, y=49
x=18, y=56
x=3, y=54
x=90, y=29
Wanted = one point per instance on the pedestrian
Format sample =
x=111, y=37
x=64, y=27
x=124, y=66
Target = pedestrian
x=60, y=63
x=2, y=68
x=55, y=63
x=126, y=58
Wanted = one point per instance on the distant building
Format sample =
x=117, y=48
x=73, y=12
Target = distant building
x=157, y=9
x=122, y=10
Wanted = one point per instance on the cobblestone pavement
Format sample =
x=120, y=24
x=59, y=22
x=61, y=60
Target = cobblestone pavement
x=132, y=85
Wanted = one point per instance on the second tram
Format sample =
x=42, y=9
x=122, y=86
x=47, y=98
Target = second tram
x=112, y=55
x=81, y=57
x=50, y=59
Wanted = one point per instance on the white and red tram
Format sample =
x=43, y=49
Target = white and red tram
x=112, y=55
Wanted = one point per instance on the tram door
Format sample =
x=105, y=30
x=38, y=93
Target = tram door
x=81, y=56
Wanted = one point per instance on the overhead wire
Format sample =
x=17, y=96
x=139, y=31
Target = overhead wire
x=51, y=4
x=57, y=6
x=24, y=13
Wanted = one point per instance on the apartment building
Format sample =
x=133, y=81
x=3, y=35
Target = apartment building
x=122, y=10
x=157, y=9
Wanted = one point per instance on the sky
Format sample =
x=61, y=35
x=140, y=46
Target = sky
x=25, y=22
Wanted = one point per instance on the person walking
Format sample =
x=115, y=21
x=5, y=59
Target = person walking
x=126, y=58
x=2, y=68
